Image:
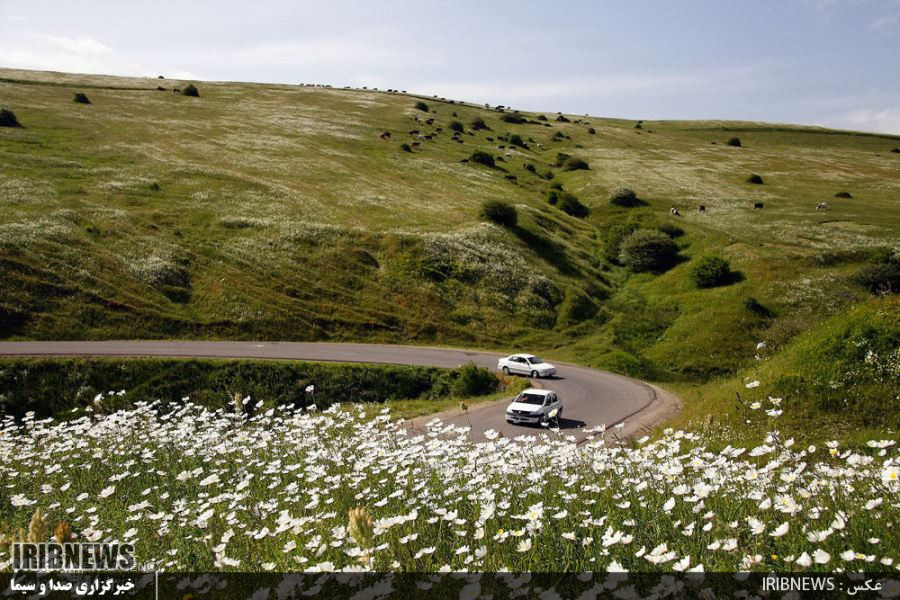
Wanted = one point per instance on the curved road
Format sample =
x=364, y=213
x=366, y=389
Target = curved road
x=590, y=397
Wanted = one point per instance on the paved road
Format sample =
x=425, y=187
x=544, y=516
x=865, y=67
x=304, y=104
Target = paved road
x=590, y=396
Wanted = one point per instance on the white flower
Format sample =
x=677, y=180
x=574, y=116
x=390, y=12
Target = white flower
x=890, y=474
x=821, y=557
x=524, y=545
x=20, y=500
x=209, y=480
x=752, y=384
x=804, y=560
x=107, y=492
x=780, y=530
x=669, y=505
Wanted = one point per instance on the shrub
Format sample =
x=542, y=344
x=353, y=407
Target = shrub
x=711, y=271
x=754, y=178
x=612, y=240
x=561, y=157
x=478, y=123
x=591, y=130
x=8, y=118
x=530, y=168
x=516, y=140
x=456, y=126
x=191, y=90
x=735, y=141
x=562, y=119
x=405, y=147
x=541, y=118
x=558, y=136
x=500, y=213
x=556, y=186
x=474, y=381
x=572, y=206
x=154, y=187
x=81, y=98
x=881, y=276
x=575, y=307
x=647, y=250
x=638, y=126
x=895, y=150
x=754, y=306
x=513, y=118
x=482, y=158
x=673, y=231
x=575, y=164
x=624, y=197
x=552, y=196
x=843, y=195
x=421, y=106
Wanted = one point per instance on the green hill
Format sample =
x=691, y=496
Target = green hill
x=273, y=211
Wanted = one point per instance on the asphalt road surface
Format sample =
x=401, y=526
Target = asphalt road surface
x=590, y=397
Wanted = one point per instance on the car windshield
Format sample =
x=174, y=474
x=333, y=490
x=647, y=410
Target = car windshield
x=533, y=360
x=526, y=398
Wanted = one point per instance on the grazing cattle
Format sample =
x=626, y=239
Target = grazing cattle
x=510, y=177
x=540, y=146
x=414, y=132
x=509, y=155
x=702, y=208
x=501, y=147
x=460, y=142
x=439, y=129
x=176, y=91
x=429, y=122
x=822, y=206
x=428, y=137
x=465, y=160
x=674, y=211
x=757, y=205
x=415, y=144
x=385, y=135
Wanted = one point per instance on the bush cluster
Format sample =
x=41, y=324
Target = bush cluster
x=513, y=118
x=191, y=90
x=711, y=271
x=478, y=124
x=456, y=126
x=624, y=197
x=735, y=141
x=881, y=275
x=647, y=250
x=421, y=106
x=500, y=212
x=81, y=98
x=574, y=163
x=8, y=118
x=516, y=140
x=571, y=205
x=754, y=178
x=482, y=158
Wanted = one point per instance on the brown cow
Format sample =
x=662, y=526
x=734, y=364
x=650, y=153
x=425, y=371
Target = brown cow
x=385, y=135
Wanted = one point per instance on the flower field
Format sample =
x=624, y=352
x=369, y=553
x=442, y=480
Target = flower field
x=202, y=490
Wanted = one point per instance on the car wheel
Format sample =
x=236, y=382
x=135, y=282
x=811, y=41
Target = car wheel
x=534, y=375
x=506, y=370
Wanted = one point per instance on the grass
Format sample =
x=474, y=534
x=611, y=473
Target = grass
x=280, y=214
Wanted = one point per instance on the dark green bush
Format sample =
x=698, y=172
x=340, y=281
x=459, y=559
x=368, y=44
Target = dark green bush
x=575, y=307
x=154, y=187
x=562, y=119
x=671, y=230
x=421, y=106
x=513, y=118
x=754, y=306
x=456, y=126
x=895, y=150
x=561, y=157
x=843, y=195
x=541, y=118
x=552, y=196
x=482, y=158
x=754, y=178
x=478, y=124
x=882, y=276
x=735, y=141
x=81, y=98
x=530, y=168
x=571, y=205
x=612, y=240
x=500, y=213
x=405, y=147
x=711, y=271
x=516, y=140
x=575, y=164
x=191, y=90
x=648, y=250
x=624, y=197
x=559, y=136
x=591, y=130
x=8, y=118
x=473, y=381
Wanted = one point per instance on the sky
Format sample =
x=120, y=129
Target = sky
x=834, y=63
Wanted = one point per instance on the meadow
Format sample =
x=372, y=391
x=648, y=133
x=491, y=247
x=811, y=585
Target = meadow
x=338, y=490
x=261, y=211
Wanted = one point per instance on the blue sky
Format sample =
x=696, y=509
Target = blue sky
x=821, y=62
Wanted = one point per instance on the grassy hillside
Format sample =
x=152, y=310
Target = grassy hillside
x=278, y=212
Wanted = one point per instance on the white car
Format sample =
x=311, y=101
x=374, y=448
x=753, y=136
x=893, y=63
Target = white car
x=526, y=364
x=535, y=406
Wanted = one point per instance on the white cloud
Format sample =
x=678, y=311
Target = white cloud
x=882, y=120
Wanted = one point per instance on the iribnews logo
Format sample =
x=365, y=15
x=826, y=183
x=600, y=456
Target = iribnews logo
x=53, y=556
